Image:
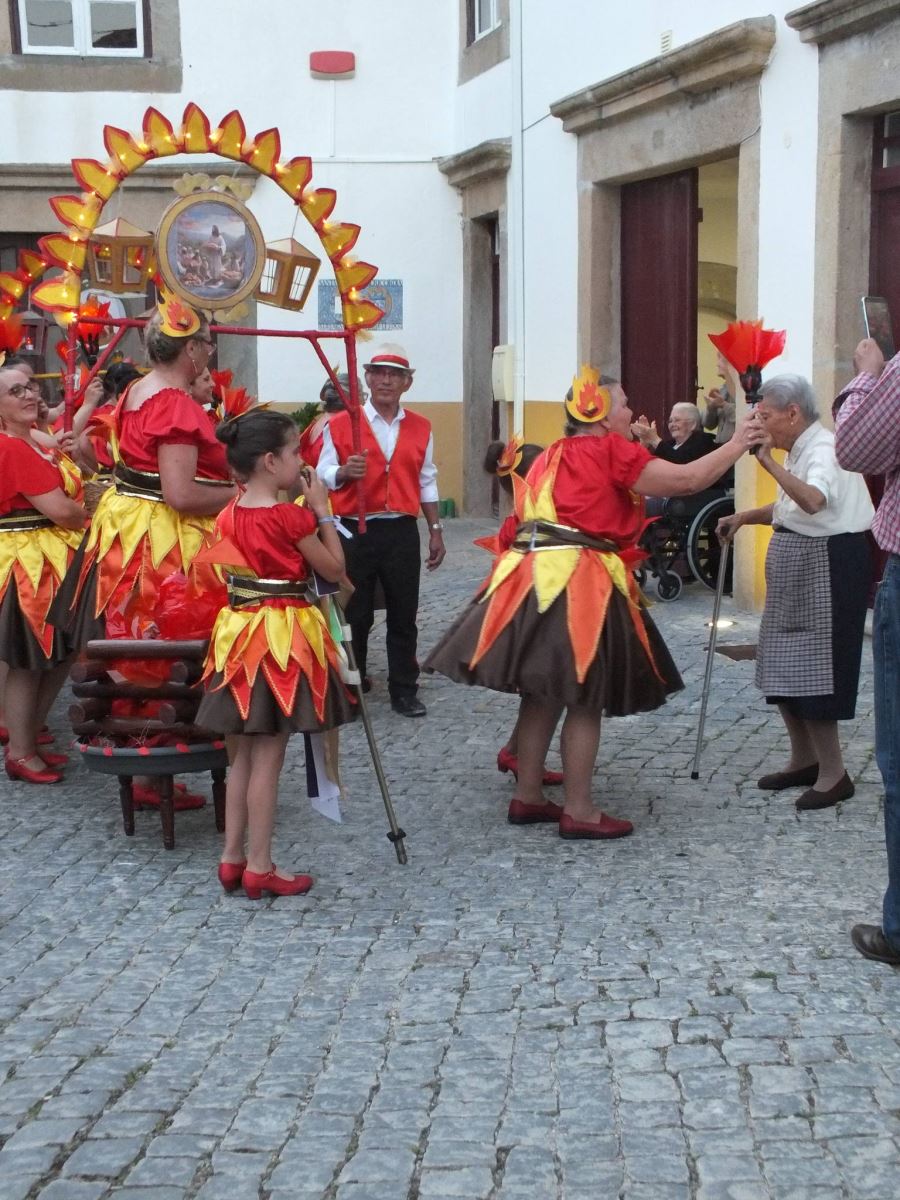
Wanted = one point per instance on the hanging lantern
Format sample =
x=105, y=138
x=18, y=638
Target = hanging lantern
x=121, y=258
x=35, y=331
x=288, y=275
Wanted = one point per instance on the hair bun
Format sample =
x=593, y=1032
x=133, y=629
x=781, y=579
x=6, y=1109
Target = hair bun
x=227, y=432
x=492, y=457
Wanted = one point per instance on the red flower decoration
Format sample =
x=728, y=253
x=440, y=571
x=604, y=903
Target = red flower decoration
x=746, y=345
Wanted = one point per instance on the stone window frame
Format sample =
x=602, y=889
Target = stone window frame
x=81, y=12
x=159, y=70
x=484, y=52
x=479, y=174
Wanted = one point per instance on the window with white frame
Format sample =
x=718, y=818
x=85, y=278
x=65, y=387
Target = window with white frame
x=83, y=27
x=485, y=16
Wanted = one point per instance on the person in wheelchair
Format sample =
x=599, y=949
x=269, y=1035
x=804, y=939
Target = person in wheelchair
x=667, y=540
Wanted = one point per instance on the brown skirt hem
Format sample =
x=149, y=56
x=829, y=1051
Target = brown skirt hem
x=533, y=656
x=219, y=711
x=71, y=610
x=19, y=648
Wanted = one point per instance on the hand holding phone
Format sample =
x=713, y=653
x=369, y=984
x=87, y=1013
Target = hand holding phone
x=878, y=324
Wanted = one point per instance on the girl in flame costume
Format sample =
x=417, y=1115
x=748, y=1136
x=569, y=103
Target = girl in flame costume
x=272, y=666
x=41, y=524
x=560, y=618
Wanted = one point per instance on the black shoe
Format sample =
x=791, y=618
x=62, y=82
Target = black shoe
x=842, y=790
x=871, y=943
x=408, y=706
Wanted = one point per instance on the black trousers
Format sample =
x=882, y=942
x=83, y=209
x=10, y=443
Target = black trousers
x=388, y=552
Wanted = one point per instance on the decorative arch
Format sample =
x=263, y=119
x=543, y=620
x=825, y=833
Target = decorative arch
x=80, y=215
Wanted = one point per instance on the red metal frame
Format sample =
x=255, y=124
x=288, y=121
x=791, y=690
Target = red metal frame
x=313, y=336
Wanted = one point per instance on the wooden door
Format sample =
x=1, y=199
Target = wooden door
x=659, y=293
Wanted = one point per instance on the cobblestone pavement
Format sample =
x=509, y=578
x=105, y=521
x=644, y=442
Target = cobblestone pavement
x=677, y=1015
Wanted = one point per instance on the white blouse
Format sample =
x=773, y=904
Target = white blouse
x=848, y=506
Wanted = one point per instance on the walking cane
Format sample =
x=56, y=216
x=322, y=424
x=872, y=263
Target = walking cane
x=713, y=633
x=395, y=834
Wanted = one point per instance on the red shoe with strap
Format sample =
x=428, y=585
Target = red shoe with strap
x=605, y=829
x=255, y=884
x=17, y=768
x=53, y=760
x=521, y=813
x=507, y=761
x=231, y=874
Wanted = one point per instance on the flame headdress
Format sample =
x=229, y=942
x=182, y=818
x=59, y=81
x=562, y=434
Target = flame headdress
x=236, y=402
x=178, y=319
x=591, y=400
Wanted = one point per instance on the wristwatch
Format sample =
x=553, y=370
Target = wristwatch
x=436, y=527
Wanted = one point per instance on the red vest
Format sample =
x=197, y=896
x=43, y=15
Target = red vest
x=388, y=486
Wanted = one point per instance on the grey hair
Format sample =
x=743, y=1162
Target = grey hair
x=162, y=347
x=782, y=390
x=689, y=410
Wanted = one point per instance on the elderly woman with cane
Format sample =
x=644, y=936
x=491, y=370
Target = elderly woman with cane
x=817, y=582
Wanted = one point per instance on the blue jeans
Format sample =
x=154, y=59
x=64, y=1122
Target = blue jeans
x=886, y=645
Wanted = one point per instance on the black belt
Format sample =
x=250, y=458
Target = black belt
x=246, y=589
x=24, y=520
x=147, y=486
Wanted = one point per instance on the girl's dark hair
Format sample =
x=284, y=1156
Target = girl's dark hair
x=530, y=451
x=251, y=436
x=162, y=347
x=118, y=377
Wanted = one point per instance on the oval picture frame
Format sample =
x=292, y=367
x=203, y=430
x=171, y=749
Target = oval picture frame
x=210, y=250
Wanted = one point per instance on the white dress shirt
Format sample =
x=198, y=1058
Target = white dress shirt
x=848, y=506
x=386, y=434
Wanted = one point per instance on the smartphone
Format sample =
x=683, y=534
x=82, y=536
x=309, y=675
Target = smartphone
x=878, y=325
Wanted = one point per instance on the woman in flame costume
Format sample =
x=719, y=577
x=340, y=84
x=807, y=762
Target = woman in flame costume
x=560, y=617
x=272, y=667
x=170, y=480
x=41, y=523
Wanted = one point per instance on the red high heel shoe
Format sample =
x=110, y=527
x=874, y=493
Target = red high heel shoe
x=231, y=874
x=509, y=762
x=16, y=769
x=255, y=884
x=53, y=760
x=146, y=797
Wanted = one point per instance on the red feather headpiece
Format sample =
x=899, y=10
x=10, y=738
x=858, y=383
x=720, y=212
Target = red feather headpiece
x=237, y=402
x=511, y=457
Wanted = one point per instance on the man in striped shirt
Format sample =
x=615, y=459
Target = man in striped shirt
x=867, y=439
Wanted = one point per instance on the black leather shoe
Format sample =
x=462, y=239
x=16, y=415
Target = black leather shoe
x=408, y=706
x=842, y=790
x=871, y=943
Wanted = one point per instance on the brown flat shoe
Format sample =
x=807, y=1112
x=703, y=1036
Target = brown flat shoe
x=871, y=943
x=842, y=790
x=779, y=780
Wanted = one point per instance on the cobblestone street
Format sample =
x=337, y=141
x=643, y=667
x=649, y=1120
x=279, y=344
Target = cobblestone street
x=680, y=1014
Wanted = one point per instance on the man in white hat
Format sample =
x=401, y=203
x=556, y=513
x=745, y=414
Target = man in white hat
x=397, y=477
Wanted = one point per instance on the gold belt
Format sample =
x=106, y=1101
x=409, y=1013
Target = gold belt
x=246, y=589
x=24, y=520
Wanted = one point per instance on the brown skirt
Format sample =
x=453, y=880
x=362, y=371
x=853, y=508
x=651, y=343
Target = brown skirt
x=219, y=712
x=533, y=656
x=19, y=648
x=75, y=617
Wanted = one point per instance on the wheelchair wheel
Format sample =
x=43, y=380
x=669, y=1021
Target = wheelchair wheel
x=703, y=548
x=669, y=585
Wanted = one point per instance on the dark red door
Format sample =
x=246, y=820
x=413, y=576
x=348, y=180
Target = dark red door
x=659, y=293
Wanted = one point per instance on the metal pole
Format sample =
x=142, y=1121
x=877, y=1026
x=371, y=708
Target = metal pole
x=395, y=834
x=711, y=650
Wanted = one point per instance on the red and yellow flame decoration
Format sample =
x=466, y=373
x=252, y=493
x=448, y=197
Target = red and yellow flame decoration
x=591, y=401
x=511, y=457
x=237, y=402
x=178, y=319
x=11, y=336
x=745, y=344
x=586, y=576
x=80, y=214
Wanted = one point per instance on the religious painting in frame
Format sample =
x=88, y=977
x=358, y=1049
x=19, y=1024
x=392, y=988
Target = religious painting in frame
x=211, y=250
